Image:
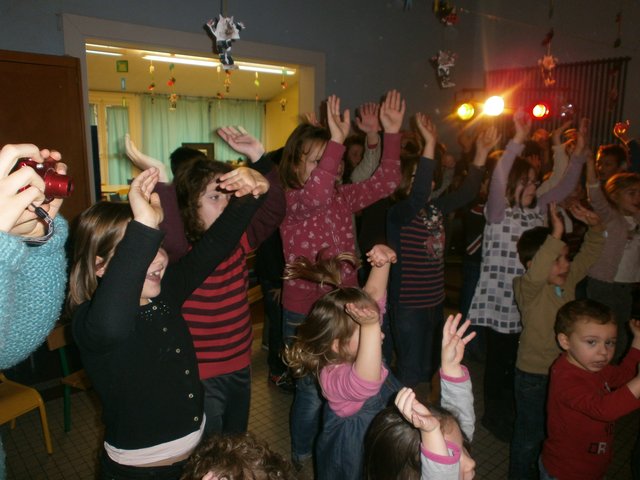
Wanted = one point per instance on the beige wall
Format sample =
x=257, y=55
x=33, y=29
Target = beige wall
x=279, y=124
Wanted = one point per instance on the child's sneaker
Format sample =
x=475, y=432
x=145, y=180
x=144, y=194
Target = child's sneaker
x=284, y=382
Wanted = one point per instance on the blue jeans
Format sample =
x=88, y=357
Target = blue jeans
x=273, y=311
x=416, y=335
x=529, y=427
x=306, y=408
x=544, y=475
x=227, y=399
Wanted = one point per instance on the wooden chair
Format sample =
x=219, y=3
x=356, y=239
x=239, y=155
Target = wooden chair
x=58, y=340
x=17, y=399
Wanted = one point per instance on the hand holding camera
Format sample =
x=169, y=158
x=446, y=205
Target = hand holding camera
x=30, y=178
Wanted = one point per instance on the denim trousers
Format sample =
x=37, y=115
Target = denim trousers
x=417, y=334
x=273, y=312
x=306, y=409
x=499, y=402
x=529, y=427
x=227, y=399
x=544, y=475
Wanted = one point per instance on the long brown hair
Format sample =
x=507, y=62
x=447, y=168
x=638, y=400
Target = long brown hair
x=97, y=232
x=327, y=321
x=299, y=143
x=190, y=181
x=519, y=171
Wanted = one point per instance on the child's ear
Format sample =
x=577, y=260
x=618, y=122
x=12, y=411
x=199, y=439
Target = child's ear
x=101, y=266
x=563, y=341
x=335, y=345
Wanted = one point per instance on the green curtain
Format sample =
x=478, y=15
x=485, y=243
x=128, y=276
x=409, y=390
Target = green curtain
x=117, y=127
x=195, y=120
x=246, y=113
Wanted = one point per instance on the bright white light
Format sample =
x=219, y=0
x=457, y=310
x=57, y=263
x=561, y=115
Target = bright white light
x=493, y=106
x=109, y=54
x=184, y=61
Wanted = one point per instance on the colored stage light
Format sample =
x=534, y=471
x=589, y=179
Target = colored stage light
x=540, y=111
x=465, y=111
x=494, y=106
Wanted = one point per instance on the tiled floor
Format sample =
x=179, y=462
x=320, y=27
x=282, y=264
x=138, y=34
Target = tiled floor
x=74, y=453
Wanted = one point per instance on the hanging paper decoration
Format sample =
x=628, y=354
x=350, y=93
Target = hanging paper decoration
x=447, y=13
x=256, y=82
x=548, y=62
x=283, y=82
x=224, y=31
x=227, y=81
x=618, y=40
x=173, y=101
x=613, y=95
x=443, y=63
x=219, y=96
x=283, y=104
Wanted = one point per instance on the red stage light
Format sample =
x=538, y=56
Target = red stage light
x=540, y=111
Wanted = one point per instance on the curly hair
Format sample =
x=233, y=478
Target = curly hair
x=313, y=346
x=190, y=181
x=236, y=457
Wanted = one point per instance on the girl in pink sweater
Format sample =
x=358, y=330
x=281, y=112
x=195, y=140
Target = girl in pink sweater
x=340, y=343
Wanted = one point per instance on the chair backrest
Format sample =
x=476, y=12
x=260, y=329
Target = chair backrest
x=59, y=337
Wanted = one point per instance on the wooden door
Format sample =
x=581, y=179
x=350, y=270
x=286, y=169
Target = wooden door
x=42, y=104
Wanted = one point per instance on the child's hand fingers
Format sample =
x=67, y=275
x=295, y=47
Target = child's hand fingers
x=468, y=338
x=463, y=328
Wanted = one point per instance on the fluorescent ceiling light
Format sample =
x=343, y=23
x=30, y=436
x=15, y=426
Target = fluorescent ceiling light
x=184, y=61
x=110, y=54
x=206, y=62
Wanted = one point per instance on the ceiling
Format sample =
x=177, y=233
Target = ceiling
x=190, y=80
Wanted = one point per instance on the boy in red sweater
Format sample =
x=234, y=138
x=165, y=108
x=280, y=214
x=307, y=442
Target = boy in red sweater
x=587, y=394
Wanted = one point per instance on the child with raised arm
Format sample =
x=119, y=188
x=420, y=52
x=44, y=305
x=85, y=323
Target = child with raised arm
x=340, y=342
x=412, y=441
x=415, y=229
x=548, y=283
x=586, y=393
x=319, y=216
x=218, y=313
x=134, y=343
x=611, y=279
x=512, y=208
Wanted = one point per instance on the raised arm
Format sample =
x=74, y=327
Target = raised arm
x=560, y=160
x=594, y=190
x=403, y=211
x=572, y=175
x=144, y=161
x=368, y=121
x=380, y=257
x=497, y=202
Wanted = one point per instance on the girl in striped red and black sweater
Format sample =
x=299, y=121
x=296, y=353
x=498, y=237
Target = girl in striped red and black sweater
x=415, y=230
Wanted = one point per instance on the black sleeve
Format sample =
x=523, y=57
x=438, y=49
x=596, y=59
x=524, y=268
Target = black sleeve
x=464, y=195
x=111, y=314
x=183, y=277
x=264, y=165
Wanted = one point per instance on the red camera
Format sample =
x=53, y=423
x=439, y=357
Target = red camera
x=56, y=185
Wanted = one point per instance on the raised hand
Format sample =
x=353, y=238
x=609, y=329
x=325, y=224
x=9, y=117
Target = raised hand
x=582, y=137
x=242, y=142
x=143, y=161
x=586, y=216
x=368, y=118
x=243, y=181
x=621, y=130
x=487, y=140
x=453, y=343
x=380, y=255
x=416, y=413
x=556, y=134
x=428, y=131
x=362, y=315
x=392, y=112
x=145, y=204
x=339, y=125
x=557, y=223
x=310, y=118
x=522, y=123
